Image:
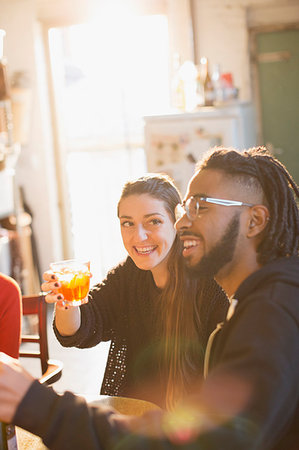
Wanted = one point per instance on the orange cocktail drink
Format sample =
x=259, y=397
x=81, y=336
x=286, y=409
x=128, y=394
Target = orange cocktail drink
x=74, y=277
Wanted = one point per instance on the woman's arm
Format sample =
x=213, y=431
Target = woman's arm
x=67, y=319
x=102, y=316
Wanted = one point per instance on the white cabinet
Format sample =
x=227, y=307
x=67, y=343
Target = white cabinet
x=175, y=142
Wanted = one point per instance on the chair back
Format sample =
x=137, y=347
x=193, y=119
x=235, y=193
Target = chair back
x=51, y=369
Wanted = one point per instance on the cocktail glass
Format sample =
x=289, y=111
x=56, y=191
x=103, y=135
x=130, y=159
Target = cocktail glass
x=74, y=277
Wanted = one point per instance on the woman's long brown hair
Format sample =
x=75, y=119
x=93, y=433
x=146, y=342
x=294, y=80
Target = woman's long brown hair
x=179, y=299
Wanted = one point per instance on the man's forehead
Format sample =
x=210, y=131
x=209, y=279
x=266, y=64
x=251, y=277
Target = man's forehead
x=211, y=183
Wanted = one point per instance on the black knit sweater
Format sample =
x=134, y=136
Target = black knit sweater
x=123, y=308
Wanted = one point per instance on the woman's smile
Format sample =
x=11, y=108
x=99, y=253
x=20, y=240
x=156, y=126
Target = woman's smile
x=147, y=231
x=145, y=250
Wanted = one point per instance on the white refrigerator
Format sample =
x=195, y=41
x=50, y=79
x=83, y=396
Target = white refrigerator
x=175, y=142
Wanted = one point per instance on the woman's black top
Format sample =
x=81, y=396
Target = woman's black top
x=124, y=309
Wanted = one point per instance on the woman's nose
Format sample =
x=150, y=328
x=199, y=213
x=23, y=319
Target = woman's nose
x=141, y=233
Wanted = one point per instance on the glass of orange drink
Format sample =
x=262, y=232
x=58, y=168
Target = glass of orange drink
x=74, y=277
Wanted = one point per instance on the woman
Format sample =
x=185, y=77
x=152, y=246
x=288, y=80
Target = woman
x=158, y=320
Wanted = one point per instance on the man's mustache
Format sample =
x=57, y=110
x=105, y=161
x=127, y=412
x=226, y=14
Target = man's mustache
x=189, y=234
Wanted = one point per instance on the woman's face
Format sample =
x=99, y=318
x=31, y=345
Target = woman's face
x=147, y=230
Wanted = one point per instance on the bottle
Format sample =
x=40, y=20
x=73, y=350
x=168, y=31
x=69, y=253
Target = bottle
x=4, y=89
x=199, y=87
x=188, y=74
x=218, y=85
x=177, y=85
x=208, y=88
x=3, y=75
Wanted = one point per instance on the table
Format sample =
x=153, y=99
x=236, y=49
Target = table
x=124, y=405
x=28, y=441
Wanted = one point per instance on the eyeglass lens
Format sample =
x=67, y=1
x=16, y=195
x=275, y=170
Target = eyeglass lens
x=191, y=207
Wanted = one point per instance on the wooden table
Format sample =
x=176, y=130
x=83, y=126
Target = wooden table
x=28, y=441
x=124, y=405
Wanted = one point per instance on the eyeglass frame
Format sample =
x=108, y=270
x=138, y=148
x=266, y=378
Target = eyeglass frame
x=216, y=201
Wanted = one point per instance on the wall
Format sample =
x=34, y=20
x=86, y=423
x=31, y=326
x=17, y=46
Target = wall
x=221, y=32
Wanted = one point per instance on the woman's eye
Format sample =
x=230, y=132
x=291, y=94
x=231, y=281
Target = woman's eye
x=126, y=224
x=155, y=222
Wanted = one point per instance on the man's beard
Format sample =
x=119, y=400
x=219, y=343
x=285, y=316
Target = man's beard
x=221, y=254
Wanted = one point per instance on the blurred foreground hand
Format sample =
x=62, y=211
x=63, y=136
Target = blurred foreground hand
x=14, y=383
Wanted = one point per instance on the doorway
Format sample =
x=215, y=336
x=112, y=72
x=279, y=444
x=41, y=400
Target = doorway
x=276, y=61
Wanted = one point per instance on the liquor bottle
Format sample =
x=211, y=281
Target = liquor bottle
x=4, y=90
x=4, y=87
x=188, y=74
x=218, y=84
x=8, y=439
x=199, y=86
x=208, y=87
x=177, y=85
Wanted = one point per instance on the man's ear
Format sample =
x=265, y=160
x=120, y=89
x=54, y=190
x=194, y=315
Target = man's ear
x=259, y=217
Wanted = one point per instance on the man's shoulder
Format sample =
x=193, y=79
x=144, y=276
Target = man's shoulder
x=283, y=272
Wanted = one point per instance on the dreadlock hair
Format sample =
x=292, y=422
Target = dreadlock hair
x=258, y=169
x=180, y=300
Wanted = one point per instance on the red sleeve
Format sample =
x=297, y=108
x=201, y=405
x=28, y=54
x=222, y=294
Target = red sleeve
x=10, y=316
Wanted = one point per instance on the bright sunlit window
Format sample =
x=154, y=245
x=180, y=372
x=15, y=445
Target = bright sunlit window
x=113, y=75
x=108, y=74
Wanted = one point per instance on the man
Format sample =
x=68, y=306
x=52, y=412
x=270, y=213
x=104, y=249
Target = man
x=238, y=223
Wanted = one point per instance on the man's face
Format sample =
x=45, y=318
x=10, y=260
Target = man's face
x=220, y=254
x=212, y=240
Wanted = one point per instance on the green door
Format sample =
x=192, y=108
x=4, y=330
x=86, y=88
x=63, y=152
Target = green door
x=278, y=70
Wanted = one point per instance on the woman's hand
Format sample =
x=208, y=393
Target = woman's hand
x=14, y=383
x=51, y=287
x=67, y=318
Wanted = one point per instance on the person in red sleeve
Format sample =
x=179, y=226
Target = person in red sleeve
x=10, y=316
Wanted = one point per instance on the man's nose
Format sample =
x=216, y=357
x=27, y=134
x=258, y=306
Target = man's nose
x=182, y=222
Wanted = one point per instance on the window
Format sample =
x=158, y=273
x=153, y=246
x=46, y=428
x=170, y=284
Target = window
x=105, y=84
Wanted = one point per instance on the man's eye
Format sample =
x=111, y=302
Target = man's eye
x=126, y=224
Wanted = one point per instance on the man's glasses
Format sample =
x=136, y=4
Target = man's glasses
x=195, y=205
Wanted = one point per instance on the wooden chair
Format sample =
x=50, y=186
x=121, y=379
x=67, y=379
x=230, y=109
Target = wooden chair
x=51, y=369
